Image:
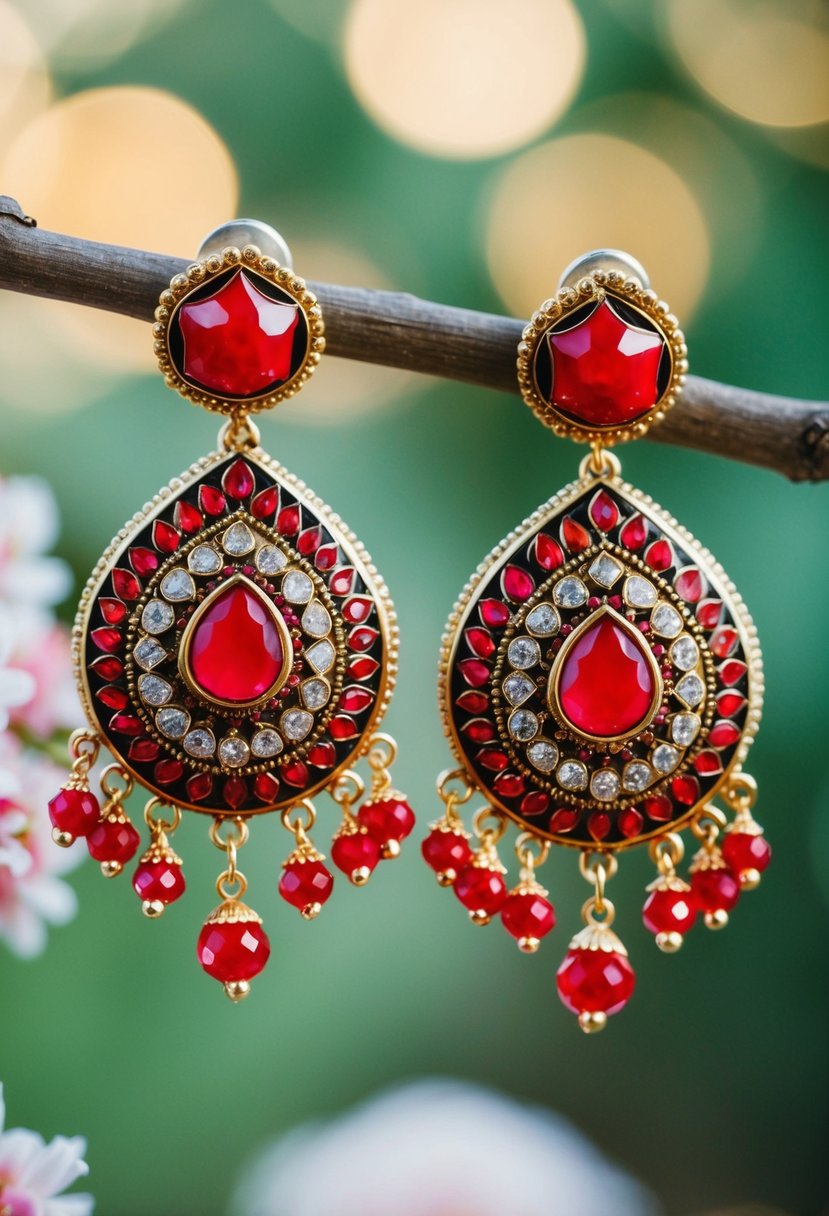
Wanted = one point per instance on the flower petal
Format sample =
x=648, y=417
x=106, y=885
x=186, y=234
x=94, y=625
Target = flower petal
x=56, y=1168
x=69, y=1205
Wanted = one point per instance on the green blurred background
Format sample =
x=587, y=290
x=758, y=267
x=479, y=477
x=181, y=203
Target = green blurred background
x=465, y=151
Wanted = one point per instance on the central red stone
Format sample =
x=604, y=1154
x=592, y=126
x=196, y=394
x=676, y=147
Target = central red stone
x=235, y=652
x=239, y=341
x=605, y=371
x=606, y=685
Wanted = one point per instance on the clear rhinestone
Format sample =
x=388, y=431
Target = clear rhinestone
x=684, y=653
x=297, y=587
x=637, y=776
x=266, y=742
x=517, y=688
x=605, y=570
x=204, y=559
x=572, y=775
x=238, y=540
x=148, y=654
x=321, y=656
x=315, y=693
x=543, y=621
x=639, y=592
x=691, y=690
x=570, y=592
x=177, y=585
x=200, y=742
x=543, y=755
x=523, y=652
x=154, y=690
x=684, y=729
x=233, y=751
x=523, y=725
x=269, y=559
x=316, y=619
x=295, y=724
x=157, y=616
x=605, y=784
x=665, y=758
x=172, y=721
x=666, y=621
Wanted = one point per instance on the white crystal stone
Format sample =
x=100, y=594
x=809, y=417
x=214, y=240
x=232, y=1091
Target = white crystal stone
x=153, y=690
x=266, y=742
x=684, y=653
x=177, y=585
x=638, y=592
x=522, y=725
x=269, y=560
x=200, y=742
x=315, y=693
x=666, y=621
x=517, y=688
x=157, y=616
x=690, y=689
x=665, y=758
x=238, y=540
x=571, y=775
x=570, y=592
x=204, y=559
x=295, y=724
x=297, y=587
x=523, y=652
x=543, y=621
x=637, y=776
x=605, y=570
x=148, y=653
x=321, y=656
x=316, y=619
x=684, y=729
x=172, y=721
x=605, y=784
x=543, y=755
x=233, y=751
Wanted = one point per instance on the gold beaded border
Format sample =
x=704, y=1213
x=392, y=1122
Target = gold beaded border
x=198, y=275
x=598, y=286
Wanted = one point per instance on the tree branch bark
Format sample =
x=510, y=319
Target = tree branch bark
x=780, y=433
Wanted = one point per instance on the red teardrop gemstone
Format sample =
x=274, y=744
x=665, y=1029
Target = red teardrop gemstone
x=238, y=480
x=480, y=642
x=509, y=785
x=211, y=500
x=563, y=820
x=235, y=650
x=709, y=613
x=115, y=698
x=635, y=533
x=575, y=537
x=327, y=557
x=494, y=613
x=342, y=582
x=265, y=787
x=362, y=669
x=125, y=584
x=187, y=517
x=143, y=561
x=659, y=555
x=199, y=786
x=473, y=702
x=287, y=521
x=322, y=755
x=474, y=672
x=690, y=584
x=548, y=552
x=113, y=611
x=106, y=639
x=265, y=503
x=603, y=511
x=165, y=537
x=516, y=584
x=606, y=686
x=309, y=541
x=535, y=803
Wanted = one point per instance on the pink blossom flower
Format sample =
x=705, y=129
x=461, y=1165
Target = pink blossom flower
x=28, y=527
x=33, y=1173
x=16, y=686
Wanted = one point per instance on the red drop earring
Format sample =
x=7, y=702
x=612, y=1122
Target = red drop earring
x=600, y=677
x=235, y=648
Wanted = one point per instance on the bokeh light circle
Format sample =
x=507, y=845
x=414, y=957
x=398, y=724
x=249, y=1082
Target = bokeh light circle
x=594, y=191
x=464, y=78
x=25, y=83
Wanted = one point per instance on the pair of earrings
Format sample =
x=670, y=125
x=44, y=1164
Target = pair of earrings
x=235, y=649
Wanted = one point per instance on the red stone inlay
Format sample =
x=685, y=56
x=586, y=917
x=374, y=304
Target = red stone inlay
x=342, y=582
x=342, y=727
x=598, y=825
x=480, y=642
x=606, y=685
x=709, y=613
x=126, y=724
x=603, y=511
x=309, y=541
x=575, y=537
x=548, y=552
x=659, y=555
x=563, y=820
x=187, y=517
x=211, y=500
x=235, y=652
x=108, y=668
x=474, y=672
x=237, y=481
x=288, y=521
x=659, y=808
x=494, y=613
x=730, y=703
x=115, y=698
x=165, y=537
x=113, y=611
x=473, y=702
x=708, y=763
x=516, y=584
x=732, y=671
x=168, y=771
x=724, y=641
x=354, y=700
x=144, y=750
x=509, y=785
x=265, y=503
x=535, y=803
x=629, y=822
x=635, y=533
x=126, y=585
x=357, y=609
x=723, y=734
x=235, y=791
x=143, y=561
x=265, y=787
x=690, y=584
x=362, y=638
x=107, y=639
x=362, y=668
x=479, y=730
x=238, y=341
x=492, y=759
x=326, y=558
x=295, y=773
x=199, y=786
x=322, y=755
x=605, y=370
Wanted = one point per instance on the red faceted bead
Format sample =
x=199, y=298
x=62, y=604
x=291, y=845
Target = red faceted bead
x=715, y=890
x=230, y=951
x=604, y=369
x=634, y=533
x=235, y=651
x=606, y=684
x=166, y=538
x=239, y=341
x=446, y=852
x=517, y=584
x=390, y=818
x=548, y=552
x=603, y=511
x=480, y=642
x=113, y=840
x=356, y=854
x=143, y=561
x=237, y=481
x=669, y=911
x=187, y=517
x=527, y=916
x=159, y=881
x=305, y=884
x=660, y=555
x=744, y=851
x=575, y=537
x=481, y=891
x=125, y=585
x=494, y=613
x=211, y=500
x=265, y=503
x=113, y=611
x=74, y=811
x=595, y=981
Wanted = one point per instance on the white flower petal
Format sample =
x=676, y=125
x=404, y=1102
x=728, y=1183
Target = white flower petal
x=23, y=930
x=30, y=514
x=42, y=580
x=56, y=1168
x=54, y=900
x=15, y=857
x=16, y=687
x=69, y=1205
x=18, y=1149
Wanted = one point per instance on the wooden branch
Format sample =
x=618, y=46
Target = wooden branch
x=787, y=435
